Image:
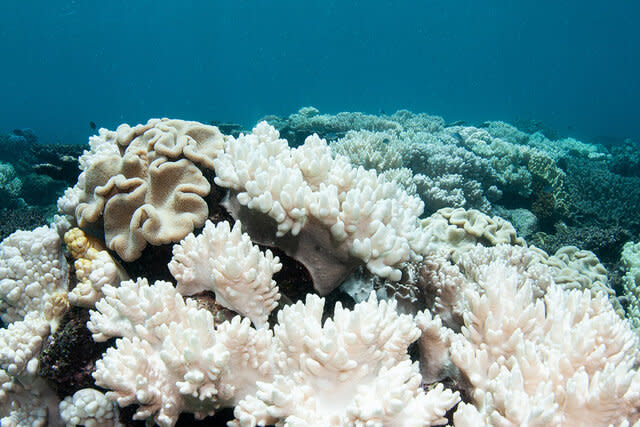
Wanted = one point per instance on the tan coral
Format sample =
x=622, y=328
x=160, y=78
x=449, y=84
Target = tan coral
x=146, y=183
x=544, y=168
x=453, y=231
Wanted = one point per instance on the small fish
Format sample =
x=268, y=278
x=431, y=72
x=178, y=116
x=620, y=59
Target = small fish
x=92, y=125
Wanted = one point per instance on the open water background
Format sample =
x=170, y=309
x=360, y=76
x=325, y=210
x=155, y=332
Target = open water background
x=574, y=65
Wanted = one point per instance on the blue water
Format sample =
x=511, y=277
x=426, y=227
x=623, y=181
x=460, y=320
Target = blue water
x=574, y=65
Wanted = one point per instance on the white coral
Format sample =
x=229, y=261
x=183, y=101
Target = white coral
x=90, y=408
x=564, y=359
x=33, y=275
x=171, y=359
x=373, y=220
x=223, y=260
x=352, y=370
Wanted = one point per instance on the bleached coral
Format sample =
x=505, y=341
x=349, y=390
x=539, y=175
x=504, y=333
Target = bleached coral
x=33, y=276
x=373, y=150
x=90, y=408
x=453, y=231
x=306, y=189
x=502, y=325
x=20, y=345
x=170, y=358
x=579, y=269
x=352, y=370
x=223, y=260
x=30, y=405
x=560, y=358
x=33, y=284
x=630, y=259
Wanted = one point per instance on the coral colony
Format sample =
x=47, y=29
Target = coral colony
x=409, y=319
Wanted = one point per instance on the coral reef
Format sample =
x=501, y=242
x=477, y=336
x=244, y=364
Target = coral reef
x=10, y=186
x=201, y=276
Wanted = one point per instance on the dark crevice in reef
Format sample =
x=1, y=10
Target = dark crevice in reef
x=69, y=355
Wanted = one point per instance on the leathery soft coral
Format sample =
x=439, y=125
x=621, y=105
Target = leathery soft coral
x=338, y=216
x=223, y=260
x=534, y=353
x=354, y=368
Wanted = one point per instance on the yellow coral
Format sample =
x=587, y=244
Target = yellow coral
x=79, y=243
x=94, y=267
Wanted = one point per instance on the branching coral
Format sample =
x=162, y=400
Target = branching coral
x=223, y=260
x=556, y=357
x=520, y=337
x=353, y=368
x=170, y=358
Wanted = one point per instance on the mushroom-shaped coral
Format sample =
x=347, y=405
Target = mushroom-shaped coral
x=145, y=183
x=223, y=260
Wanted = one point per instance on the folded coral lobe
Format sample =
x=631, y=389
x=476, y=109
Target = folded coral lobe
x=147, y=183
